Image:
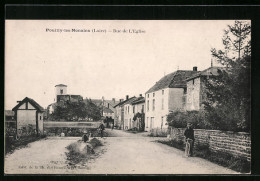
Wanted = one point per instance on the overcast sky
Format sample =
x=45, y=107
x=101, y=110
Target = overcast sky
x=101, y=64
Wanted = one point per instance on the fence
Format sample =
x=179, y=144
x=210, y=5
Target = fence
x=52, y=128
x=235, y=143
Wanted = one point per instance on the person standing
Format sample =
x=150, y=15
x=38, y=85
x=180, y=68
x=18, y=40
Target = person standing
x=189, y=138
x=101, y=128
x=112, y=126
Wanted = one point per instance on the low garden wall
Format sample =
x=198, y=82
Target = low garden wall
x=235, y=143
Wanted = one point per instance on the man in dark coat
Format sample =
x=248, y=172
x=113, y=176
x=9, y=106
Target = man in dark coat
x=101, y=127
x=189, y=138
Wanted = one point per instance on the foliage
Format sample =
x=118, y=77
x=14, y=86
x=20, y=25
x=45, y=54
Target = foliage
x=142, y=116
x=179, y=119
x=74, y=111
x=228, y=94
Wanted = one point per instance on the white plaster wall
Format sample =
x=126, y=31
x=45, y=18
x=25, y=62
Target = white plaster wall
x=158, y=114
x=25, y=117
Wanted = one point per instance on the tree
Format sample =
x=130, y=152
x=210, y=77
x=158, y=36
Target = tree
x=228, y=94
x=74, y=111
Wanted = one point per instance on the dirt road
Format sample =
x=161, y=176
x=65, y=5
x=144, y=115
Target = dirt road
x=124, y=153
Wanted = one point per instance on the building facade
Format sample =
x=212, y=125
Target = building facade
x=167, y=95
x=28, y=113
x=196, y=94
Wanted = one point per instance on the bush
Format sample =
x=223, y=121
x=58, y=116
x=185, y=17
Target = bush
x=76, y=154
x=179, y=119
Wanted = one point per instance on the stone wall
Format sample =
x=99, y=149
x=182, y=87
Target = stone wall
x=235, y=143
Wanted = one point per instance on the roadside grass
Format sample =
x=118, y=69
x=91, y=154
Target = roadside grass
x=77, y=154
x=224, y=159
x=11, y=144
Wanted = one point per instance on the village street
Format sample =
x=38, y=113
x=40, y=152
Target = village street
x=122, y=153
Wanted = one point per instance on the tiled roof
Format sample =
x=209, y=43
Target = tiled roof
x=32, y=102
x=9, y=113
x=107, y=110
x=139, y=100
x=125, y=101
x=207, y=72
x=60, y=85
x=173, y=80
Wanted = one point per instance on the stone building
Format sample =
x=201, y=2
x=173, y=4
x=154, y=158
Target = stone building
x=167, y=95
x=196, y=88
x=61, y=97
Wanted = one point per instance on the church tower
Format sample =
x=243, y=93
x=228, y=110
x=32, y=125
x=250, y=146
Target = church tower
x=60, y=89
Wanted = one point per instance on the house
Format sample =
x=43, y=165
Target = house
x=28, y=113
x=10, y=121
x=138, y=111
x=107, y=106
x=167, y=95
x=196, y=88
x=118, y=114
x=121, y=112
x=132, y=107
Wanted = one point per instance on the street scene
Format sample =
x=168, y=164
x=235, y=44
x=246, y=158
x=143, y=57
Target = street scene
x=133, y=97
x=122, y=153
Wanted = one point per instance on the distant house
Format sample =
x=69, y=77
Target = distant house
x=196, y=88
x=119, y=116
x=132, y=107
x=10, y=121
x=122, y=119
x=29, y=113
x=138, y=106
x=107, y=106
x=167, y=95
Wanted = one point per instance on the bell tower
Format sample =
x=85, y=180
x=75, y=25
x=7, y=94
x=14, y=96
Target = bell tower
x=60, y=89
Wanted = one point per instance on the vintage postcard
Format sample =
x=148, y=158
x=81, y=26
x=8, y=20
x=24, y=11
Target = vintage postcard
x=127, y=97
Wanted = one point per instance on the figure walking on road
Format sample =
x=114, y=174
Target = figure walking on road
x=189, y=138
x=101, y=128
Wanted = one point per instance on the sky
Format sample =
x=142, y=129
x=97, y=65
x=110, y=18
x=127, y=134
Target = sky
x=40, y=54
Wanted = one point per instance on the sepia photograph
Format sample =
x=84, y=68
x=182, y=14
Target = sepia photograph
x=127, y=97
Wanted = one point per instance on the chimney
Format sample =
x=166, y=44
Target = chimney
x=195, y=68
x=107, y=105
x=121, y=100
x=126, y=97
x=140, y=95
x=114, y=100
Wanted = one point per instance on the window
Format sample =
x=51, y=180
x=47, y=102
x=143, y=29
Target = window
x=147, y=122
x=133, y=109
x=61, y=91
x=147, y=105
x=153, y=94
x=128, y=109
x=185, y=90
x=40, y=118
x=142, y=108
x=153, y=104
x=162, y=92
x=152, y=122
x=162, y=103
x=162, y=123
x=147, y=95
